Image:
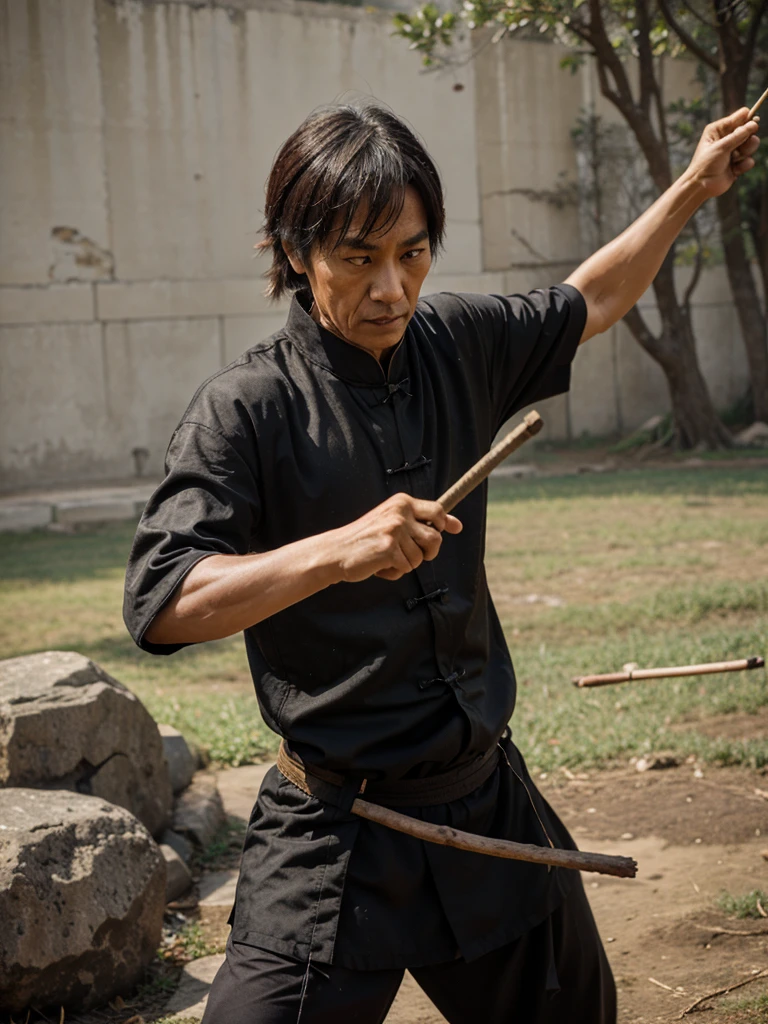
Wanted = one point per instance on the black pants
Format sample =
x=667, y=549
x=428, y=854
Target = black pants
x=555, y=974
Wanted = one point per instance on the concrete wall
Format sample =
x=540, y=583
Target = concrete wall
x=135, y=140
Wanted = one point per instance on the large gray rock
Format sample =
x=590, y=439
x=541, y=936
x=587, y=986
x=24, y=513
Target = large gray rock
x=178, y=877
x=82, y=893
x=66, y=724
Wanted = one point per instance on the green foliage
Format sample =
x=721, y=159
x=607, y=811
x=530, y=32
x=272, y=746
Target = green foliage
x=743, y=906
x=225, y=848
x=194, y=943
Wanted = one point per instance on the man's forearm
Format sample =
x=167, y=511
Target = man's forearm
x=225, y=594
x=614, y=278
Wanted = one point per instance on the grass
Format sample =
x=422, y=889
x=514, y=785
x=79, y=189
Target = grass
x=587, y=572
x=743, y=906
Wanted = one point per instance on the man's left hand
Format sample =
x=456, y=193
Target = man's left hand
x=725, y=152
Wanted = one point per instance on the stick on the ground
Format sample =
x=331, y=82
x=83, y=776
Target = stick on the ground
x=722, y=992
x=532, y=424
x=715, y=929
x=668, y=673
x=444, y=835
x=757, y=106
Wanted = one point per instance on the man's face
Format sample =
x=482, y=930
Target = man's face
x=366, y=290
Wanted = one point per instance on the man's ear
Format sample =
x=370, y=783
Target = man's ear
x=296, y=262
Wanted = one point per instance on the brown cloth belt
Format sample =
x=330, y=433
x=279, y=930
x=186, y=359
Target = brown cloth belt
x=342, y=791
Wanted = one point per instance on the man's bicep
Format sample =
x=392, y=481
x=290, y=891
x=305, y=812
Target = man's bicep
x=207, y=504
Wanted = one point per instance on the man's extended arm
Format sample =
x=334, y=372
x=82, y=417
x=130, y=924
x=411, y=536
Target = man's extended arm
x=225, y=594
x=614, y=278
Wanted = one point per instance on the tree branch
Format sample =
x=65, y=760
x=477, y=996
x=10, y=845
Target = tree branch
x=686, y=38
x=697, y=268
x=753, y=31
x=642, y=333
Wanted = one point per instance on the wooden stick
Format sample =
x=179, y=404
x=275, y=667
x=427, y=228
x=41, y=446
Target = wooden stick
x=757, y=106
x=667, y=673
x=444, y=835
x=532, y=424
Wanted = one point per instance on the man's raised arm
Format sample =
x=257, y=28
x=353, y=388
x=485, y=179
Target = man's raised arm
x=614, y=278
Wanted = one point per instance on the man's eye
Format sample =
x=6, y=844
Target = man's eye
x=412, y=254
x=358, y=261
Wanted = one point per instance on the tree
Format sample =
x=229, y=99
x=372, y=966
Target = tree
x=610, y=31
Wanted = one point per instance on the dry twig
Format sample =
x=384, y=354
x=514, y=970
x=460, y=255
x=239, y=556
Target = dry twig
x=717, y=930
x=722, y=992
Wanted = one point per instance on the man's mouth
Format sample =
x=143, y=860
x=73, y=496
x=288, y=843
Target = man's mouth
x=383, y=321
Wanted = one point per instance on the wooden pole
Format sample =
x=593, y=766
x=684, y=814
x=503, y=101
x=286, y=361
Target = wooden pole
x=742, y=665
x=532, y=424
x=757, y=106
x=444, y=835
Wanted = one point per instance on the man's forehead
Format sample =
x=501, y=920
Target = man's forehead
x=404, y=224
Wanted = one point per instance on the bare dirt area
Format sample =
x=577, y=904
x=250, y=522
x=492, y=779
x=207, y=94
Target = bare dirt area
x=695, y=834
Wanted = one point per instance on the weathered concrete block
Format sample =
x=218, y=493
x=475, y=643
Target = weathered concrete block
x=71, y=513
x=82, y=892
x=66, y=724
x=199, y=812
x=178, y=878
x=181, y=761
x=24, y=517
x=47, y=304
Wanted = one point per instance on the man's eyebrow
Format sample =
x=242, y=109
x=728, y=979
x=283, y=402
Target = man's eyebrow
x=360, y=242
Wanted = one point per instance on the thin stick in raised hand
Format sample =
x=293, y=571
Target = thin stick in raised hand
x=757, y=106
x=532, y=424
x=742, y=665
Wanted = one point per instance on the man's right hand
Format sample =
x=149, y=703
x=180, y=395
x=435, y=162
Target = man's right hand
x=392, y=539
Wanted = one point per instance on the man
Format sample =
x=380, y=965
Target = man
x=298, y=507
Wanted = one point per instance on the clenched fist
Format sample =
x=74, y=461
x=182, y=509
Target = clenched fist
x=393, y=538
x=725, y=152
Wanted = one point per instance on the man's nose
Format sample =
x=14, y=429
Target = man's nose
x=387, y=286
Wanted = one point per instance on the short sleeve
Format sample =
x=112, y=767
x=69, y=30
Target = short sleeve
x=527, y=342
x=207, y=504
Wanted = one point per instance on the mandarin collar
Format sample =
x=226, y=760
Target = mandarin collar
x=346, y=361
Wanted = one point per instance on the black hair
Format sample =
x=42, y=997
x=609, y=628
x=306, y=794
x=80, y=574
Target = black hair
x=336, y=159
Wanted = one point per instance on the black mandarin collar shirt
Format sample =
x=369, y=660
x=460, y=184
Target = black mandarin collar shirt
x=304, y=433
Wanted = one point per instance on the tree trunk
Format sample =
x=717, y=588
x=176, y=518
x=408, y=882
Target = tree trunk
x=697, y=424
x=746, y=299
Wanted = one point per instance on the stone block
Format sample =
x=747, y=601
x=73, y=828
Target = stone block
x=66, y=724
x=178, y=878
x=180, y=759
x=72, y=513
x=51, y=121
x=82, y=892
x=190, y=998
x=153, y=369
x=242, y=332
x=174, y=300
x=53, y=303
x=239, y=788
x=594, y=409
x=24, y=517
x=199, y=812
x=54, y=422
x=179, y=843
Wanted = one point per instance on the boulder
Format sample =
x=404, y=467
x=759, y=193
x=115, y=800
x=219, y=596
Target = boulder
x=181, y=761
x=82, y=894
x=178, y=877
x=199, y=812
x=66, y=724
x=179, y=843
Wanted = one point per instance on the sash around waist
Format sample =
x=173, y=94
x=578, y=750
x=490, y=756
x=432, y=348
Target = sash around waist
x=340, y=790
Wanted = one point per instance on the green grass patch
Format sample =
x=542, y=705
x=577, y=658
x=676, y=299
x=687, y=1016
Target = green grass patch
x=658, y=567
x=743, y=906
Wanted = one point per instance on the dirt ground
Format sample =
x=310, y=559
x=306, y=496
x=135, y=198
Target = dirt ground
x=695, y=832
